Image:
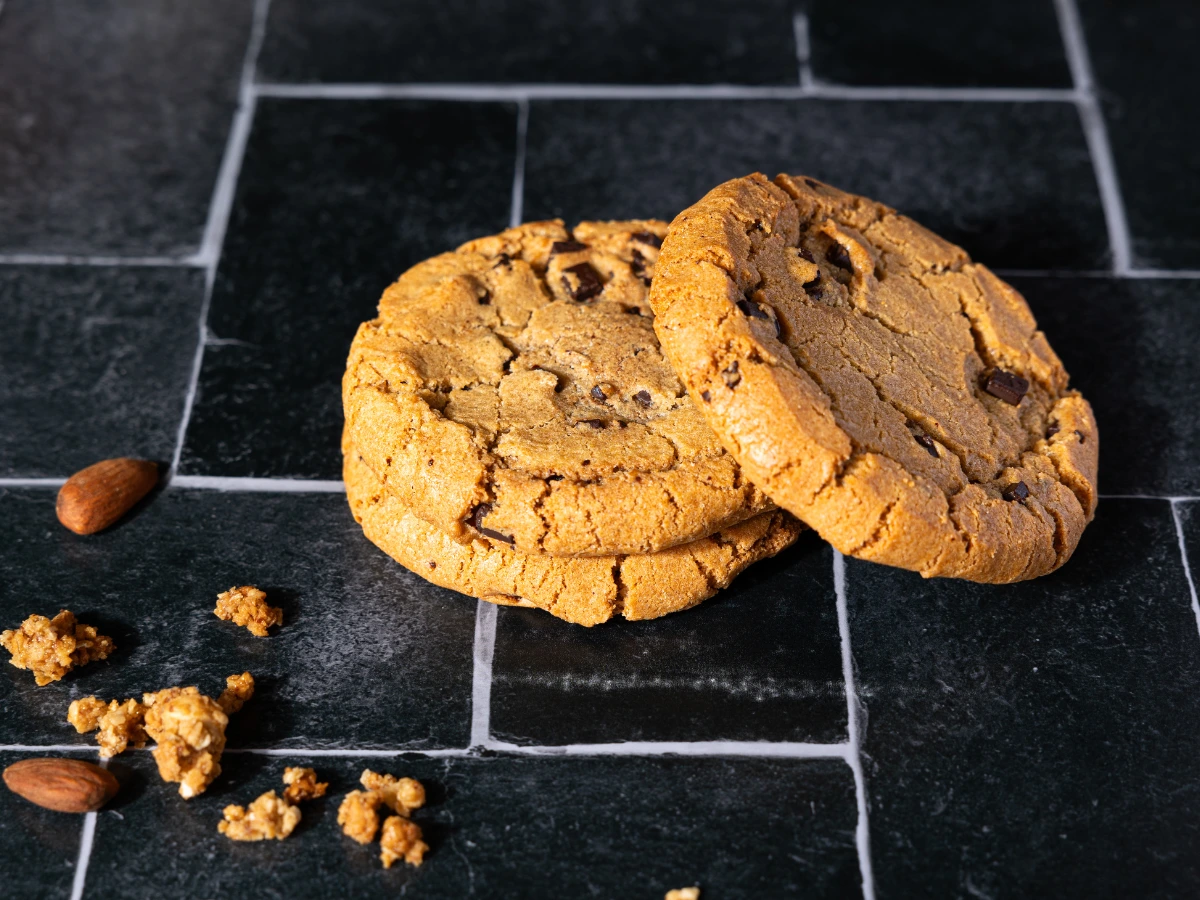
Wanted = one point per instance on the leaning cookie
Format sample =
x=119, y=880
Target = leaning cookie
x=585, y=590
x=514, y=391
x=876, y=382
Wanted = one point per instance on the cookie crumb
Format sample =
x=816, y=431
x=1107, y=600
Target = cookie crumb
x=358, y=817
x=401, y=839
x=402, y=795
x=189, y=729
x=302, y=785
x=50, y=648
x=269, y=817
x=687, y=893
x=238, y=689
x=120, y=723
x=247, y=606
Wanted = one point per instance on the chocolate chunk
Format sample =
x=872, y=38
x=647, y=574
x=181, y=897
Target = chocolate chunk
x=598, y=394
x=732, y=376
x=706, y=396
x=554, y=478
x=927, y=442
x=811, y=183
x=1051, y=430
x=839, y=256
x=637, y=265
x=753, y=310
x=594, y=423
x=644, y=398
x=1008, y=387
x=502, y=260
x=588, y=280
x=432, y=564
x=475, y=520
x=646, y=237
x=566, y=247
x=1016, y=491
x=805, y=253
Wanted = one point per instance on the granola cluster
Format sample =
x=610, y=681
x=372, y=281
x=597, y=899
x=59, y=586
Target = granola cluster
x=188, y=728
x=52, y=647
x=247, y=606
x=687, y=893
x=401, y=837
x=271, y=817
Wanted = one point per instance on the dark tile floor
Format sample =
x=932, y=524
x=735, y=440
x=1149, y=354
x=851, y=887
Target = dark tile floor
x=1033, y=740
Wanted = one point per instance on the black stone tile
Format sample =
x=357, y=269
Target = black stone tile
x=1035, y=740
x=94, y=363
x=115, y=119
x=939, y=43
x=1012, y=183
x=335, y=200
x=670, y=42
x=503, y=827
x=368, y=655
x=1130, y=348
x=39, y=847
x=1146, y=65
x=761, y=661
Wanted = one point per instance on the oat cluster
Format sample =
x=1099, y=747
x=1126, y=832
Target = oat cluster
x=271, y=817
x=50, y=648
x=120, y=723
x=247, y=606
x=401, y=837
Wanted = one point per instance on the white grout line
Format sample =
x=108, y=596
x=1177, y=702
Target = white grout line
x=220, y=208
x=481, y=676
x=85, y=855
x=261, y=485
x=32, y=482
x=1096, y=133
x=862, y=833
x=517, y=205
x=1145, y=497
x=518, y=92
x=68, y=259
x=771, y=749
x=47, y=748
x=1187, y=568
x=365, y=753
x=1127, y=275
x=803, y=49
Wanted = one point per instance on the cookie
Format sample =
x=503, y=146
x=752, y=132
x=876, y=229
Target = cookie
x=584, y=590
x=876, y=382
x=514, y=390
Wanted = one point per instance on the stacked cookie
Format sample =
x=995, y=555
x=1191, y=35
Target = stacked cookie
x=515, y=431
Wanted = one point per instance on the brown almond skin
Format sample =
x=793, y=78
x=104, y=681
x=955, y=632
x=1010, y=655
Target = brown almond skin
x=96, y=497
x=60, y=784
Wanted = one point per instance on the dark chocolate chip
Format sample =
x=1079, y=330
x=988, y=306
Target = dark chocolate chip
x=634, y=310
x=589, y=282
x=566, y=247
x=475, y=520
x=927, y=442
x=648, y=238
x=1016, y=491
x=598, y=394
x=586, y=462
x=594, y=423
x=1008, y=387
x=706, y=396
x=554, y=478
x=806, y=254
x=637, y=265
x=430, y=462
x=753, y=310
x=502, y=260
x=432, y=564
x=1079, y=434
x=732, y=376
x=644, y=398
x=813, y=288
x=839, y=256
x=811, y=183
x=1051, y=430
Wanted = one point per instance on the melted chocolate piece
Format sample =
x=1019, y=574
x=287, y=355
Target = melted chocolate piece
x=732, y=376
x=646, y=237
x=598, y=394
x=706, y=396
x=1016, y=491
x=1008, y=387
x=644, y=398
x=752, y=309
x=637, y=265
x=1051, y=430
x=566, y=247
x=839, y=256
x=927, y=442
x=475, y=520
x=589, y=284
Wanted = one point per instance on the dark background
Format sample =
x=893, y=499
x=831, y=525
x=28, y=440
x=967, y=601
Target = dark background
x=198, y=204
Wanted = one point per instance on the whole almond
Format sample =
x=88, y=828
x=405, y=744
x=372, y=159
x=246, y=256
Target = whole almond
x=96, y=497
x=64, y=785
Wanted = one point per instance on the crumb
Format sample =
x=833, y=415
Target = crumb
x=401, y=839
x=190, y=731
x=120, y=724
x=270, y=816
x=238, y=689
x=402, y=795
x=247, y=606
x=302, y=785
x=357, y=815
x=52, y=647
x=687, y=893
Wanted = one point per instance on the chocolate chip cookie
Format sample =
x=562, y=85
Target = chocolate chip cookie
x=876, y=382
x=584, y=590
x=514, y=391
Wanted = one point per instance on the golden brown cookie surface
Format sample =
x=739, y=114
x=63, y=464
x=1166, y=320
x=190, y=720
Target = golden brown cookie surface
x=515, y=390
x=584, y=590
x=875, y=382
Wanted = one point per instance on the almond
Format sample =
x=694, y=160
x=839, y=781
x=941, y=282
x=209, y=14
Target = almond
x=64, y=785
x=96, y=497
